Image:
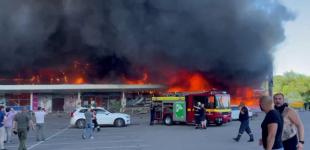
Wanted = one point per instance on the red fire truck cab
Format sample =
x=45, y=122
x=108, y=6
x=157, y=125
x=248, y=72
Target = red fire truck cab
x=180, y=108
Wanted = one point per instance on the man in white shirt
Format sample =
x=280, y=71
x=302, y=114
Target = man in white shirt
x=40, y=115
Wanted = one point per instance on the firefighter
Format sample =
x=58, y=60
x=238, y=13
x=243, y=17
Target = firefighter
x=197, y=115
x=244, y=126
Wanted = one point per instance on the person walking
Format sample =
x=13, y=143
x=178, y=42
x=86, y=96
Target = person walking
x=197, y=115
x=21, y=124
x=88, y=131
x=2, y=130
x=293, y=129
x=245, y=123
x=39, y=119
x=272, y=125
x=8, y=124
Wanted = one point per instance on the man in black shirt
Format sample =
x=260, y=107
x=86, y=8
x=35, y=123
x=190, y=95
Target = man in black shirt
x=272, y=125
x=244, y=126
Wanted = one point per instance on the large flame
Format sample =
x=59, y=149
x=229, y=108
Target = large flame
x=182, y=81
x=185, y=81
x=176, y=81
x=76, y=73
x=245, y=94
x=188, y=82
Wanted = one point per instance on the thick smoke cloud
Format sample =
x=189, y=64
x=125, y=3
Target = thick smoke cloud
x=230, y=41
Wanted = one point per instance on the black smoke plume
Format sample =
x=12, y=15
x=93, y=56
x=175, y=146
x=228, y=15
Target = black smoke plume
x=229, y=41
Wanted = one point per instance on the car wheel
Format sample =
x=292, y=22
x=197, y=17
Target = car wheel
x=80, y=123
x=168, y=120
x=119, y=122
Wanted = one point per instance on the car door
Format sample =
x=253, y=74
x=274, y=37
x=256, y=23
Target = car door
x=235, y=113
x=104, y=117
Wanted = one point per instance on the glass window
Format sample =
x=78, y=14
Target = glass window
x=83, y=110
x=100, y=111
x=211, y=102
x=201, y=99
x=222, y=101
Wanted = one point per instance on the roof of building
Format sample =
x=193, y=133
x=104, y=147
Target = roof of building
x=48, y=88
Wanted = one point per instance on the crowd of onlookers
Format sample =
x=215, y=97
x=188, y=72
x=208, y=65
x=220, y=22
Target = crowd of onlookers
x=19, y=123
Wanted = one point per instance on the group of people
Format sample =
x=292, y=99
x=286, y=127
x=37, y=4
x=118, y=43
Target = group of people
x=200, y=116
x=90, y=124
x=19, y=123
x=6, y=125
x=282, y=128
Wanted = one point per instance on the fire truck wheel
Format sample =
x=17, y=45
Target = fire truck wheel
x=219, y=123
x=168, y=120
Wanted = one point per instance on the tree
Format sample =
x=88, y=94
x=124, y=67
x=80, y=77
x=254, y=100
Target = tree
x=294, y=86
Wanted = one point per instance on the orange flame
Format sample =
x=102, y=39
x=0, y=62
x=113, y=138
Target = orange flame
x=79, y=80
x=189, y=82
x=247, y=95
x=73, y=74
x=143, y=80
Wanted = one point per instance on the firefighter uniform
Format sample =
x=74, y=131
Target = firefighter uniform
x=244, y=126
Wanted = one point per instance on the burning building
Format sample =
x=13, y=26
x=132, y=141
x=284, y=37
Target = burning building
x=186, y=45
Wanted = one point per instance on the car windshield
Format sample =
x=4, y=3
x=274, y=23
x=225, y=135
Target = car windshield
x=222, y=101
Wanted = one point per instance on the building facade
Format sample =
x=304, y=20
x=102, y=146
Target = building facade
x=65, y=98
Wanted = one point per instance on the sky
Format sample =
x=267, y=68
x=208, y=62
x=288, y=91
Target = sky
x=293, y=54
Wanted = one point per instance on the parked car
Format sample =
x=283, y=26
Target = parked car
x=104, y=117
x=235, y=112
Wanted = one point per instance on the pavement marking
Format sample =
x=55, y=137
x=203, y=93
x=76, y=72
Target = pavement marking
x=116, y=147
x=91, y=142
x=50, y=137
x=61, y=138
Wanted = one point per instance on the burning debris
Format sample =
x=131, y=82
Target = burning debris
x=187, y=45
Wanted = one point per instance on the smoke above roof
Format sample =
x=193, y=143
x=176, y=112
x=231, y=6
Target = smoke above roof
x=228, y=41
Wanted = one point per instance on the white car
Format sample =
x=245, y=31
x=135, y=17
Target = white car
x=235, y=112
x=104, y=117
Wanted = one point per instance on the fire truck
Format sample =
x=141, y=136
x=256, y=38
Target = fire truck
x=180, y=108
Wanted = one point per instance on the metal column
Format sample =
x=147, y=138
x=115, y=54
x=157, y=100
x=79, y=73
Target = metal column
x=123, y=102
x=78, y=103
x=31, y=101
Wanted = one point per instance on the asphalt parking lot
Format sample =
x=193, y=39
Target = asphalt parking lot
x=140, y=136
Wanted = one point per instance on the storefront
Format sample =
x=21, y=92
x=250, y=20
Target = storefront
x=66, y=98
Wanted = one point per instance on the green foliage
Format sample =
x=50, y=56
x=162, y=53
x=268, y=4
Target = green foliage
x=294, y=86
x=115, y=105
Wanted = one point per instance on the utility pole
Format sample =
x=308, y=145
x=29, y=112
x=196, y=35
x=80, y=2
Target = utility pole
x=270, y=83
